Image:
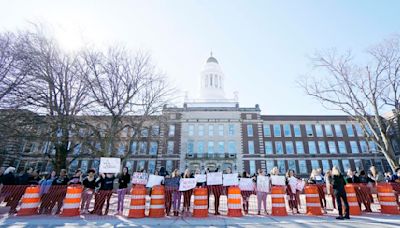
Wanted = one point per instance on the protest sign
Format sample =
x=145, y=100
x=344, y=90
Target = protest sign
x=172, y=182
x=262, y=183
x=187, y=184
x=139, y=178
x=154, y=180
x=278, y=180
x=214, y=178
x=201, y=178
x=300, y=185
x=246, y=184
x=110, y=165
x=230, y=179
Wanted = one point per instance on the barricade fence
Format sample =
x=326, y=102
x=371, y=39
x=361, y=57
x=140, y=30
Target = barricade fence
x=55, y=199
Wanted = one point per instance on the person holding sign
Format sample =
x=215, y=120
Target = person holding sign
x=123, y=181
x=89, y=184
x=176, y=195
x=216, y=189
x=187, y=194
x=105, y=183
x=246, y=194
x=291, y=190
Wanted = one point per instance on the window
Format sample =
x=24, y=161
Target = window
x=335, y=163
x=155, y=130
x=311, y=147
x=73, y=166
x=292, y=165
x=248, y=116
x=325, y=165
x=140, y=165
x=354, y=147
x=267, y=130
x=287, y=131
x=190, y=147
x=359, y=130
x=297, y=131
x=231, y=147
x=332, y=147
x=210, y=147
x=130, y=165
x=315, y=164
x=309, y=130
x=144, y=132
x=269, y=165
x=231, y=130
x=364, y=147
x=210, y=130
x=303, y=167
x=358, y=165
x=299, y=147
x=268, y=147
x=142, y=147
x=221, y=130
x=170, y=147
x=277, y=130
x=251, y=147
x=221, y=147
x=346, y=165
x=121, y=149
x=171, y=130
x=338, y=130
x=201, y=130
x=133, y=147
x=250, y=132
x=278, y=147
x=200, y=147
x=77, y=148
x=322, y=147
x=289, y=147
x=373, y=147
x=349, y=129
x=342, y=147
x=281, y=166
x=328, y=130
x=367, y=164
x=318, y=130
x=191, y=130
x=168, y=166
x=252, y=165
x=152, y=166
x=84, y=166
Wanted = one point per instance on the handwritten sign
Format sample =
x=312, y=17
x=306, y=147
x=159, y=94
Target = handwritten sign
x=262, y=183
x=154, y=180
x=300, y=185
x=230, y=179
x=278, y=180
x=110, y=165
x=139, y=178
x=201, y=178
x=246, y=184
x=187, y=184
x=214, y=178
x=172, y=182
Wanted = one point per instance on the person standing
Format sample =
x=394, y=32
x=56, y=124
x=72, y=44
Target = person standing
x=262, y=191
x=105, y=183
x=76, y=178
x=123, y=182
x=291, y=190
x=246, y=194
x=176, y=194
x=89, y=185
x=338, y=183
x=187, y=194
x=375, y=175
x=59, y=187
x=46, y=198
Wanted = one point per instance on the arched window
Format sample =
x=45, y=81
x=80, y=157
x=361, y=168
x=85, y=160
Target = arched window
x=206, y=81
x=211, y=80
x=216, y=81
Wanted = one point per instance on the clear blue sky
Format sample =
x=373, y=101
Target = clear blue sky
x=262, y=46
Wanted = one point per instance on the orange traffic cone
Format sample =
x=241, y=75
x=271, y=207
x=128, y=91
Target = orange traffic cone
x=157, y=202
x=138, y=202
x=200, y=207
x=278, y=201
x=352, y=199
x=387, y=199
x=30, y=201
x=72, y=201
x=234, y=202
x=312, y=200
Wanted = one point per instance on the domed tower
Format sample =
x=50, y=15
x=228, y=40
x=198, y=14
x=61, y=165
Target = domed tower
x=212, y=80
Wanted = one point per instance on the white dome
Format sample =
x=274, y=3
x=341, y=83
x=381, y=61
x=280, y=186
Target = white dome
x=212, y=80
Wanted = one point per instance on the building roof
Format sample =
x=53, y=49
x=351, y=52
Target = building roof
x=211, y=59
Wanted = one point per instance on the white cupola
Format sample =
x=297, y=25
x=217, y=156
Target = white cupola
x=212, y=80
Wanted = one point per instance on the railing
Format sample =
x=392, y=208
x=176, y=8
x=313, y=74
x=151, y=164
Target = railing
x=211, y=156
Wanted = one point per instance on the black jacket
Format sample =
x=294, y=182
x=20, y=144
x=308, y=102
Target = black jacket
x=124, y=180
x=9, y=179
x=338, y=183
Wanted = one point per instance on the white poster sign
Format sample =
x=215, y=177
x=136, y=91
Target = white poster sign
x=246, y=184
x=201, y=178
x=154, y=180
x=214, y=178
x=230, y=179
x=278, y=180
x=300, y=185
x=139, y=178
x=187, y=184
x=110, y=165
x=262, y=183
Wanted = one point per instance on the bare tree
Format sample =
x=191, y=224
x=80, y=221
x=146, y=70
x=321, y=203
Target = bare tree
x=127, y=89
x=364, y=92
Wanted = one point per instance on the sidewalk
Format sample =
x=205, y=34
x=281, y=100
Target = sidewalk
x=370, y=220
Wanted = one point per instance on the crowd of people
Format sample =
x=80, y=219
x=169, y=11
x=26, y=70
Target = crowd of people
x=101, y=186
